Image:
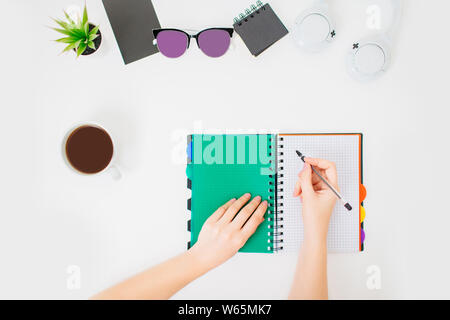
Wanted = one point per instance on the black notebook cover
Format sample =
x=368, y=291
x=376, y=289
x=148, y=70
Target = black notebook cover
x=133, y=22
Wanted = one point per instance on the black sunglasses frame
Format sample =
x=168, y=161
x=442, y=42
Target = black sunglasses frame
x=189, y=36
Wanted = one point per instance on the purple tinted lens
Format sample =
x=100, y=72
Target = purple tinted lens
x=172, y=43
x=214, y=42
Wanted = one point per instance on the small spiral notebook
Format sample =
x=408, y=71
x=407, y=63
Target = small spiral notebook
x=221, y=167
x=259, y=27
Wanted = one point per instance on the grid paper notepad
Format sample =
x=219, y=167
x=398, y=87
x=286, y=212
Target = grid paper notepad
x=344, y=151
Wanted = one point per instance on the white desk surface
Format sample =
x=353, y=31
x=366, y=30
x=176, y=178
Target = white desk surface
x=52, y=218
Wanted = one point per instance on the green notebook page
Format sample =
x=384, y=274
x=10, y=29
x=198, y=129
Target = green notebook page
x=225, y=167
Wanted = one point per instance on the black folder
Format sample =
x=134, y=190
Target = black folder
x=133, y=22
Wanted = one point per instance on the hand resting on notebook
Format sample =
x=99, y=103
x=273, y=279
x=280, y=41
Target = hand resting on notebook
x=224, y=233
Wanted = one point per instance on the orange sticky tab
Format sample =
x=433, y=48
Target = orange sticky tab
x=362, y=193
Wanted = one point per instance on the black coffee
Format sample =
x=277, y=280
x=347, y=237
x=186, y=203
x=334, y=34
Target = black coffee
x=89, y=149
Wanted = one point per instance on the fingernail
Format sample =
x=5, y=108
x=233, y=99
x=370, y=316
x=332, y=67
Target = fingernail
x=265, y=202
x=247, y=195
x=258, y=198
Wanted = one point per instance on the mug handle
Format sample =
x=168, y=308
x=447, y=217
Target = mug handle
x=116, y=173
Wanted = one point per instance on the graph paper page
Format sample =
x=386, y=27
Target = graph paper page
x=344, y=150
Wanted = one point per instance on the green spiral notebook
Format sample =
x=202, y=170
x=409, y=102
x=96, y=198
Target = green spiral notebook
x=221, y=167
x=227, y=166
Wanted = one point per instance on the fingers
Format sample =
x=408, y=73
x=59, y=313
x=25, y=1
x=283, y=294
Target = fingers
x=227, y=205
x=328, y=166
x=305, y=180
x=321, y=163
x=220, y=212
x=298, y=184
x=234, y=208
x=297, y=188
x=246, y=212
x=255, y=220
x=315, y=178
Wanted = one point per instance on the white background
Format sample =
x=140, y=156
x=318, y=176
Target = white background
x=52, y=218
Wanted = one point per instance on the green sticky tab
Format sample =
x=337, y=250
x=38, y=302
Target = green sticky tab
x=189, y=171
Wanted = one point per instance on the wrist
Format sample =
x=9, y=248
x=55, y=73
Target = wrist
x=315, y=239
x=197, y=259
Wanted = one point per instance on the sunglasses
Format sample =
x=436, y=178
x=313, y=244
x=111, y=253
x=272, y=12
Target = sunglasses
x=173, y=43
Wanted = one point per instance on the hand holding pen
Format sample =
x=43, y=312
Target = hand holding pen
x=318, y=200
x=323, y=165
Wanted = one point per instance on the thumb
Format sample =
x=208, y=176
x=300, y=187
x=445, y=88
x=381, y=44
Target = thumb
x=306, y=180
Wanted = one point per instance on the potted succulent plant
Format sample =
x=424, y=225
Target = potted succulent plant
x=81, y=36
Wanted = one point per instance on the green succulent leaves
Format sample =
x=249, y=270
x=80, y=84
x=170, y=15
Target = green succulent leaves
x=77, y=34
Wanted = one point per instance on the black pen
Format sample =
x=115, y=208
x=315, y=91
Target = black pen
x=346, y=204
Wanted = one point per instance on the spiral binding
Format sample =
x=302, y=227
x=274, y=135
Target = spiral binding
x=254, y=8
x=276, y=199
